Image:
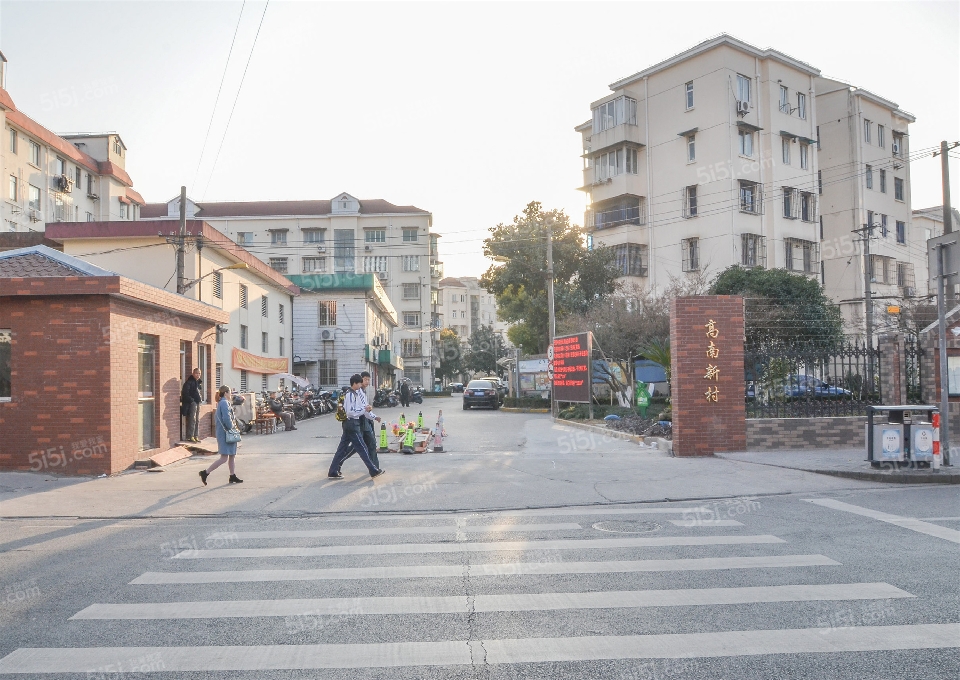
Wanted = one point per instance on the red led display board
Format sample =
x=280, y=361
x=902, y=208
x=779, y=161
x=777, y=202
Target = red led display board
x=571, y=368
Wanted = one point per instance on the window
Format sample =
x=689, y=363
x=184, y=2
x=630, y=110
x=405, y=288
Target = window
x=117, y=147
x=313, y=235
x=631, y=156
x=13, y=192
x=883, y=181
x=898, y=188
x=411, y=263
x=746, y=142
x=785, y=150
x=629, y=259
x=883, y=225
x=411, y=235
x=690, y=248
x=146, y=390
x=818, y=138
x=244, y=383
x=243, y=296
x=614, y=163
x=784, y=100
x=327, y=374
x=243, y=337
x=244, y=238
x=820, y=182
x=6, y=370
x=218, y=285
x=314, y=264
x=60, y=166
x=375, y=263
x=279, y=264
x=123, y=211
x=264, y=306
x=615, y=112
x=881, y=136
x=879, y=271
x=265, y=343
x=90, y=185
x=690, y=201
x=263, y=382
x=280, y=311
x=34, y=196
x=753, y=250
x=375, y=236
x=905, y=277
x=804, y=156
x=218, y=373
x=283, y=348
x=802, y=105
x=751, y=197
x=415, y=375
x=870, y=220
x=688, y=89
x=808, y=207
x=790, y=203
x=278, y=237
x=412, y=319
x=801, y=256
x=743, y=88
x=77, y=177
x=13, y=141
x=327, y=313
x=901, y=232
x=897, y=145
x=866, y=130
x=869, y=176
x=34, y=153
x=343, y=251
x=691, y=148
x=89, y=217
x=411, y=291
x=410, y=347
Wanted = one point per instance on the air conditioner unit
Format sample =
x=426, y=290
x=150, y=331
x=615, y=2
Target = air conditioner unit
x=321, y=249
x=92, y=196
x=368, y=248
x=426, y=364
x=909, y=291
x=35, y=215
x=743, y=107
x=328, y=335
x=382, y=276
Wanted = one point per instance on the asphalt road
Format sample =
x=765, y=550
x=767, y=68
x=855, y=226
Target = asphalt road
x=583, y=571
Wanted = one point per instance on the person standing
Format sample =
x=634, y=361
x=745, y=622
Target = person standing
x=356, y=409
x=190, y=400
x=404, y=393
x=223, y=421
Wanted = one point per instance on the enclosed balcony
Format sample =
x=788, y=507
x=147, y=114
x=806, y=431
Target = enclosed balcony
x=620, y=211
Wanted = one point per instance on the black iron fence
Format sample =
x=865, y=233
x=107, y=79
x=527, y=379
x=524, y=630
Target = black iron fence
x=811, y=380
x=913, y=358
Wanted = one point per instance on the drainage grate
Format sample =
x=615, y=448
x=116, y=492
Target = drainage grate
x=627, y=527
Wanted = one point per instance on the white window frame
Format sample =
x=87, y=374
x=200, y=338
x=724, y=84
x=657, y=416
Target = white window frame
x=868, y=176
x=283, y=262
x=691, y=148
x=311, y=265
x=690, y=254
x=412, y=319
x=691, y=206
x=785, y=99
x=745, y=141
x=411, y=287
x=34, y=154
x=376, y=264
x=378, y=235
x=411, y=263
x=802, y=105
x=313, y=236
x=866, y=131
x=881, y=136
x=744, y=87
x=688, y=95
x=804, y=156
x=326, y=313
x=785, y=150
x=411, y=235
x=278, y=237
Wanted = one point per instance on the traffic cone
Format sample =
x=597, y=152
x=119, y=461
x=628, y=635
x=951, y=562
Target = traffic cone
x=440, y=422
x=403, y=420
x=408, y=440
x=420, y=420
x=384, y=446
x=438, y=438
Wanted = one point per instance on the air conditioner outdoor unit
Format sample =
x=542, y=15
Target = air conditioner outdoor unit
x=426, y=364
x=909, y=291
x=321, y=249
x=743, y=107
x=382, y=276
x=327, y=335
x=35, y=215
x=368, y=248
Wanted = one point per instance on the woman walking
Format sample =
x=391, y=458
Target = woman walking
x=223, y=417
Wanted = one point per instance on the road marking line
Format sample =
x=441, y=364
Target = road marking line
x=391, y=531
x=516, y=602
x=917, y=525
x=691, y=523
x=529, y=650
x=533, y=512
x=941, y=519
x=417, y=548
x=493, y=569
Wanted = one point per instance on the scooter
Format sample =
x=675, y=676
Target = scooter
x=417, y=396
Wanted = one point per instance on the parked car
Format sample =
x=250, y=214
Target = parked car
x=480, y=393
x=798, y=386
x=499, y=385
x=456, y=388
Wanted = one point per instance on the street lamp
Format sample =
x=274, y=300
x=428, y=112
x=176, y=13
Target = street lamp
x=190, y=284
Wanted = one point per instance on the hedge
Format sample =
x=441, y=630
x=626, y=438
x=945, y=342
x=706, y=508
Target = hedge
x=526, y=402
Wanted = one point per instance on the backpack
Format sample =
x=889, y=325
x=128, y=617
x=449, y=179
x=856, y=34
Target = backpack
x=341, y=414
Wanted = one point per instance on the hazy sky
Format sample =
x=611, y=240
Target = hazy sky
x=464, y=109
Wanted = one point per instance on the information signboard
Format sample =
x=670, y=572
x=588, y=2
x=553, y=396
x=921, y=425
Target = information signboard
x=571, y=368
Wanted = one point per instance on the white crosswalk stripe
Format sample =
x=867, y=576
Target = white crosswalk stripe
x=394, y=531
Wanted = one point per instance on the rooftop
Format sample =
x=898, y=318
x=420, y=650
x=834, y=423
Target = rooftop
x=372, y=206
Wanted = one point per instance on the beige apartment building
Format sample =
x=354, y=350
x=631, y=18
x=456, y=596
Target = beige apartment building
x=865, y=180
x=343, y=236
x=704, y=161
x=59, y=178
x=927, y=224
x=465, y=306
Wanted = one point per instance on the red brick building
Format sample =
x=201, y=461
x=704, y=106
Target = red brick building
x=90, y=364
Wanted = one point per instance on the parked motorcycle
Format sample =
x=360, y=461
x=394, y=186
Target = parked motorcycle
x=417, y=396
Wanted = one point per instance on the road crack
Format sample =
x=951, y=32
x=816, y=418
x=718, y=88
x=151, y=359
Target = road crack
x=478, y=653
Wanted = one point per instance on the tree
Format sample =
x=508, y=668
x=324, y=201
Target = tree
x=519, y=282
x=782, y=307
x=483, y=349
x=451, y=354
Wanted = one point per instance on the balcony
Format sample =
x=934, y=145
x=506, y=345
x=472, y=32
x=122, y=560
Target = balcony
x=625, y=210
x=615, y=136
x=624, y=184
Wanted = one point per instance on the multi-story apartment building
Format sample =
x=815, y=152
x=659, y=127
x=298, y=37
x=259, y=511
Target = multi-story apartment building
x=864, y=179
x=343, y=236
x=53, y=178
x=255, y=345
x=704, y=161
x=928, y=224
x=465, y=306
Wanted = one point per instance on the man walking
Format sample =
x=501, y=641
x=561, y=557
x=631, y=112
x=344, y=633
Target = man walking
x=367, y=427
x=356, y=409
x=190, y=400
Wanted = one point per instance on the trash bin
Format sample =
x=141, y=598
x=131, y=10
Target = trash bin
x=921, y=442
x=888, y=442
x=903, y=438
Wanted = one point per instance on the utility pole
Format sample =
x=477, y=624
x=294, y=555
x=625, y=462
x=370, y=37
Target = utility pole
x=552, y=330
x=945, y=179
x=944, y=373
x=181, y=241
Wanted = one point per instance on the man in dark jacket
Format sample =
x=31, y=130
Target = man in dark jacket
x=190, y=400
x=286, y=416
x=404, y=393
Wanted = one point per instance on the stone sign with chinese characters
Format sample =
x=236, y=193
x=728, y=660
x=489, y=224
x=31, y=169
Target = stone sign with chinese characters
x=706, y=382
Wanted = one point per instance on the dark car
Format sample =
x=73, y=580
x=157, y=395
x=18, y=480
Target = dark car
x=498, y=385
x=456, y=387
x=803, y=387
x=480, y=393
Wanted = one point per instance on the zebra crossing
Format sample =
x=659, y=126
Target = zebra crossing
x=462, y=553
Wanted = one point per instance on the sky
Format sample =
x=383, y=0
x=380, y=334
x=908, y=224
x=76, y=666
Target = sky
x=463, y=109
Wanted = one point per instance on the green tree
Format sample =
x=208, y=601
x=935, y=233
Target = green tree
x=450, y=349
x=782, y=307
x=519, y=282
x=483, y=349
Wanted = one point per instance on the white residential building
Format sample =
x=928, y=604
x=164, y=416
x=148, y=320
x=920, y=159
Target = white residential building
x=865, y=180
x=704, y=161
x=927, y=224
x=465, y=306
x=343, y=236
x=53, y=178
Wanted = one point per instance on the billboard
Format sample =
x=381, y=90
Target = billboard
x=570, y=355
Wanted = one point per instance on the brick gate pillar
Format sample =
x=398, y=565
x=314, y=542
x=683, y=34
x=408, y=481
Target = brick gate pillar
x=893, y=369
x=707, y=379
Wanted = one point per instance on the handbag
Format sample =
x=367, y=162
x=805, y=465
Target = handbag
x=232, y=436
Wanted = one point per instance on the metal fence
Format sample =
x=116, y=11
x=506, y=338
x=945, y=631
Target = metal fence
x=913, y=358
x=809, y=380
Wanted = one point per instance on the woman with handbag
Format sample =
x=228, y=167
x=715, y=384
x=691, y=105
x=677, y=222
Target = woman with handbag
x=227, y=437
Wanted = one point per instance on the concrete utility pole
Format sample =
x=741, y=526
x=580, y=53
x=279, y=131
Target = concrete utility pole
x=181, y=241
x=552, y=330
x=945, y=179
x=944, y=373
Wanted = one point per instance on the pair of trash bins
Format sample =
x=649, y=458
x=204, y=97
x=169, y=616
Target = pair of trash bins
x=907, y=437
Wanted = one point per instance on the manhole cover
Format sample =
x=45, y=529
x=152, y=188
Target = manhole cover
x=627, y=527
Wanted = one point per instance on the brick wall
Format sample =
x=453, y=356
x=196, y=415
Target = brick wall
x=770, y=434
x=702, y=426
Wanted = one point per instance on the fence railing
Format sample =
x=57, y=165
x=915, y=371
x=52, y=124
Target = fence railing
x=810, y=381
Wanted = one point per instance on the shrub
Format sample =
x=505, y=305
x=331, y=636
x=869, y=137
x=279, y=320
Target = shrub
x=526, y=402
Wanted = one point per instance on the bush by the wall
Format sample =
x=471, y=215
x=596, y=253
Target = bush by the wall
x=526, y=402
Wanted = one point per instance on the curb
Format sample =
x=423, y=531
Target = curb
x=613, y=434
x=871, y=475
x=510, y=409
